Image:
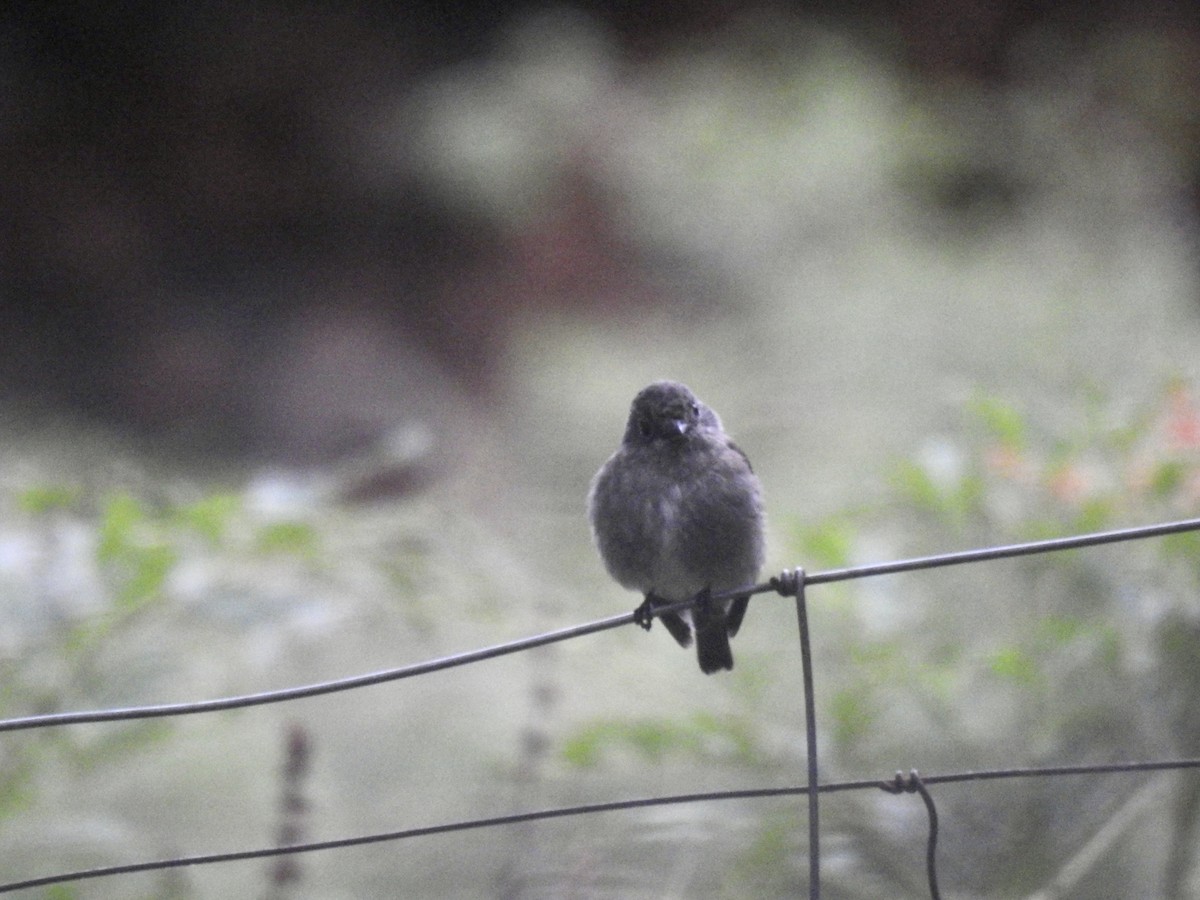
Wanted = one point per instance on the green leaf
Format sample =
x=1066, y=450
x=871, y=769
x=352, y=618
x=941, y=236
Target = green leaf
x=45, y=498
x=1095, y=514
x=122, y=515
x=297, y=538
x=852, y=716
x=1002, y=420
x=209, y=516
x=827, y=545
x=704, y=736
x=951, y=498
x=651, y=739
x=916, y=485
x=969, y=495
x=582, y=751
x=1059, y=630
x=151, y=567
x=772, y=849
x=1184, y=545
x=1167, y=477
x=1014, y=664
x=879, y=656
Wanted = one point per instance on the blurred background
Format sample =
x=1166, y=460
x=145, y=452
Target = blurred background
x=318, y=318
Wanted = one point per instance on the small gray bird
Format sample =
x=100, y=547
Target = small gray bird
x=676, y=512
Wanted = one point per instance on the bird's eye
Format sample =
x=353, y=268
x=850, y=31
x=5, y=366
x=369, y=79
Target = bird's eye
x=644, y=428
x=695, y=409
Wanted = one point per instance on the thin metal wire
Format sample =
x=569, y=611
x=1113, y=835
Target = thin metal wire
x=1007, y=551
x=587, y=809
x=792, y=583
x=931, y=849
x=448, y=662
x=342, y=843
x=810, y=730
x=914, y=785
x=313, y=690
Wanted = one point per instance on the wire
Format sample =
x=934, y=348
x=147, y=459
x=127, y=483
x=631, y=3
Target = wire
x=790, y=583
x=913, y=784
x=793, y=583
x=587, y=809
x=312, y=690
x=449, y=662
x=1006, y=551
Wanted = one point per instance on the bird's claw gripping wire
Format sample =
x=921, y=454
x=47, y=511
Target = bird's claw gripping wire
x=644, y=614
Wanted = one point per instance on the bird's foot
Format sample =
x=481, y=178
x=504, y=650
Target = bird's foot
x=644, y=614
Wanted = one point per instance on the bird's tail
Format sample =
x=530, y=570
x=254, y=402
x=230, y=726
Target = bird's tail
x=712, y=639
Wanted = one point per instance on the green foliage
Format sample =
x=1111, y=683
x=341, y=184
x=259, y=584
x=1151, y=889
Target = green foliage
x=1166, y=478
x=17, y=775
x=854, y=714
x=1031, y=481
x=210, y=516
x=137, y=546
x=119, y=522
x=1004, y=423
x=772, y=848
x=46, y=498
x=767, y=866
x=1049, y=642
x=827, y=544
x=116, y=743
x=951, y=499
x=292, y=538
x=132, y=546
x=148, y=573
x=702, y=736
x=1014, y=664
x=1100, y=475
x=1183, y=546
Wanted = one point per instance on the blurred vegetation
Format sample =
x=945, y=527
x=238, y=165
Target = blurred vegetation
x=1007, y=478
x=288, y=234
x=701, y=737
x=134, y=547
x=1078, y=656
x=1087, y=655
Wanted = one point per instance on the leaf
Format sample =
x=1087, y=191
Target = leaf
x=297, y=538
x=46, y=498
x=209, y=516
x=1002, y=420
x=827, y=545
x=917, y=486
x=704, y=736
x=1060, y=630
x=1185, y=545
x=1014, y=664
x=122, y=515
x=1167, y=477
x=852, y=716
x=1095, y=514
x=151, y=567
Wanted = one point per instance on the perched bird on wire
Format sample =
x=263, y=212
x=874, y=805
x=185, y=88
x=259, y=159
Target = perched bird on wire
x=677, y=513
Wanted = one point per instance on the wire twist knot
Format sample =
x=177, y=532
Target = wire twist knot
x=904, y=784
x=788, y=582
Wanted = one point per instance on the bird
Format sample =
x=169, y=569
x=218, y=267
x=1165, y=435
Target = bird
x=677, y=513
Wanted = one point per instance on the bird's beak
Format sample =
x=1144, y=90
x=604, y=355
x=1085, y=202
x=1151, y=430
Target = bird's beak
x=680, y=425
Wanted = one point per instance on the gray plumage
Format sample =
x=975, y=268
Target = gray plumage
x=677, y=511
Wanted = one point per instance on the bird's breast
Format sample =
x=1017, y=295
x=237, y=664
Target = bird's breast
x=667, y=505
